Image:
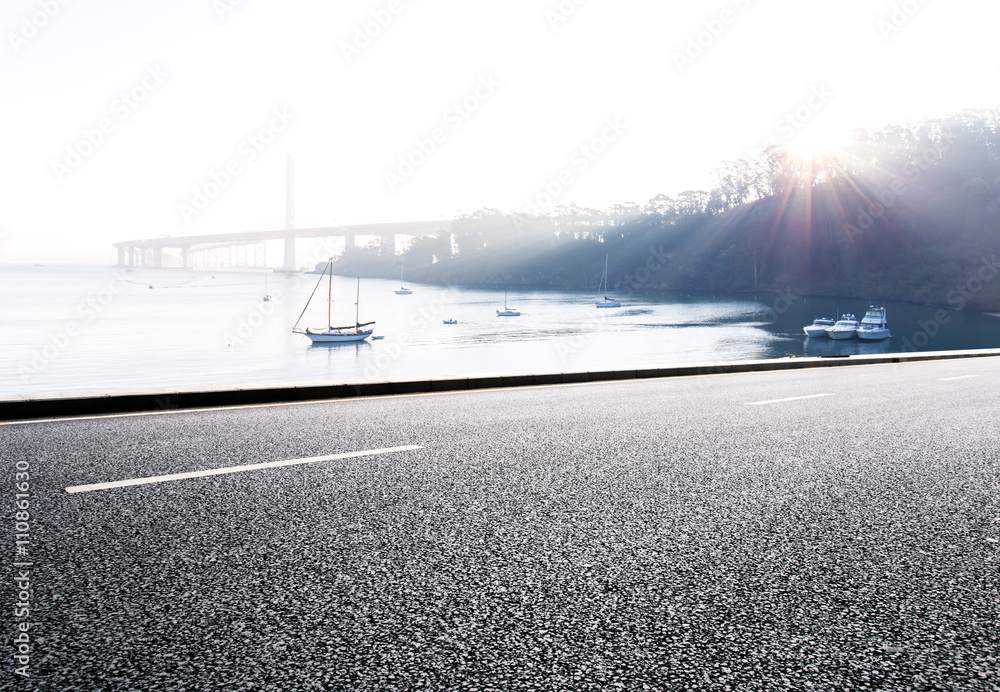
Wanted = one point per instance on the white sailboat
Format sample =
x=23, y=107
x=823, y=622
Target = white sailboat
x=603, y=288
x=267, y=296
x=331, y=334
x=403, y=290
x=507, y=312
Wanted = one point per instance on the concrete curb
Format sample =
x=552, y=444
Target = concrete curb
x=97, y=403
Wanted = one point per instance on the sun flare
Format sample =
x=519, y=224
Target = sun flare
x=815, y=144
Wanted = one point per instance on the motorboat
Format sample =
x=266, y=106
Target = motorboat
x=845, y=328
x=818, y=327
x=873, y=325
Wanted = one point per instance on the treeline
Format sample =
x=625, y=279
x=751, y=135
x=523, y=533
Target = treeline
x=907, y=213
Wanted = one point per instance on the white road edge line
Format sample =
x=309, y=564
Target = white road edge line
x=791, y=398
x=235, y=469
x=960, y=377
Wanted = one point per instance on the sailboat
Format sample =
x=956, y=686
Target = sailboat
x=507, y=312
x=603, y=288
x=267, y=296
x=331, y=334
x=403, y=290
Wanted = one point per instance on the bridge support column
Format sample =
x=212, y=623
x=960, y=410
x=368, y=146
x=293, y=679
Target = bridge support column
x=158, y=256
x=288, y=264
x=121, y=257
x=388, y=245
x=184, y=258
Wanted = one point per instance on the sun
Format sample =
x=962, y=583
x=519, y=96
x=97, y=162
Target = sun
x=810, y=144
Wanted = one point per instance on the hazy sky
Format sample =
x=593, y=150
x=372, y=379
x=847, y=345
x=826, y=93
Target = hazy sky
x=135, y=119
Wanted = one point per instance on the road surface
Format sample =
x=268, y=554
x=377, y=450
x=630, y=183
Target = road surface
x=827, y=528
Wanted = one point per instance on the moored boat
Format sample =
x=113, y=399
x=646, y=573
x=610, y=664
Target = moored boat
x=403, y=290
x=507, y=311
x=818, y=327
x=845, y=328
x=603, y=288
x=874, y=326
x=331, y=334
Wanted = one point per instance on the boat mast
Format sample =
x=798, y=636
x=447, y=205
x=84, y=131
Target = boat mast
x=605, y=279
x=329, y=294
x=357, y=308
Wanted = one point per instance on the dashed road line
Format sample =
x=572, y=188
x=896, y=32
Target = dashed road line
x=791, y=398
x=235, y=469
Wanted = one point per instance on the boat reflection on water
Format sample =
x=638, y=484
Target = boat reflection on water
x=832, y=348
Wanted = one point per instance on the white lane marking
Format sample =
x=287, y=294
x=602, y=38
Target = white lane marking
x=235, y=469
x=960, y=377
x=133, y=414
x=791, y=398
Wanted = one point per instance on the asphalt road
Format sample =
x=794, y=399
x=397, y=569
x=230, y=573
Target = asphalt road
x=646, y=535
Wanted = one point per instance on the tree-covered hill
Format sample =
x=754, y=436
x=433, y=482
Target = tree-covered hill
x=908, y=213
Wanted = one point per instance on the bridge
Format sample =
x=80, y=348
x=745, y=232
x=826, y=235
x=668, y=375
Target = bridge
x=249, y=248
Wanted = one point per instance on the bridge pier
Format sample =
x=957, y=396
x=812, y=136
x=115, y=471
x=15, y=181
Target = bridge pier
x=388, y=245
x=288, y=264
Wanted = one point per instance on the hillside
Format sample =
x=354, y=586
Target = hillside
x=905, y=213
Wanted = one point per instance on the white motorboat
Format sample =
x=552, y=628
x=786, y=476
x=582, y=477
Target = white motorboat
x=818, y=327
x=845, y=328
x=873, y=325
x=603, y=288
x=331, y=334
x=507, y=312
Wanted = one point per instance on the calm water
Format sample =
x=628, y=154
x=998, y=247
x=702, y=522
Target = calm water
x=89, y=328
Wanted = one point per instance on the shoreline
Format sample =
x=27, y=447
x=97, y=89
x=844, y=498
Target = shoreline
x=69, y=404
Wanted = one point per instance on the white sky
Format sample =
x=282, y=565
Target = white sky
x=541, y=88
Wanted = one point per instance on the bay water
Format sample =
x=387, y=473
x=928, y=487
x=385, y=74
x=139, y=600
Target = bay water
x=78, y=328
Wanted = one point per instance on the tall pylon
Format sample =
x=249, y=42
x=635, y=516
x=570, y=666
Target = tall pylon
x=288, y=264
